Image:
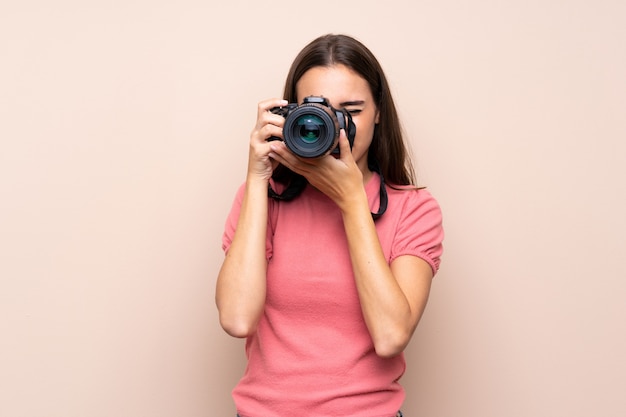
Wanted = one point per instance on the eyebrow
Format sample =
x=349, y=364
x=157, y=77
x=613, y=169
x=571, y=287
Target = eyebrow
x=352, y=103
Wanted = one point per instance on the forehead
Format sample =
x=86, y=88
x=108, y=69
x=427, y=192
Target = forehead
x=337, y=83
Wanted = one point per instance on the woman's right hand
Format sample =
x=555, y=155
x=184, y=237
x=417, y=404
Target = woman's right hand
x=268, y=124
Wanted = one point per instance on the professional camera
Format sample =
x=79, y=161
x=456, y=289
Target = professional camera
x=312, y=128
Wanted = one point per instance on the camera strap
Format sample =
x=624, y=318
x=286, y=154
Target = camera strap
x=298, y=183
x=294, y=188
x=384, y=199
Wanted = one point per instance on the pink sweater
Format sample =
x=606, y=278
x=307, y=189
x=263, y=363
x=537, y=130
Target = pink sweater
x=312, y=354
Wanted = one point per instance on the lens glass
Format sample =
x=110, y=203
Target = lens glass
x=310, y=128
x=310, y=131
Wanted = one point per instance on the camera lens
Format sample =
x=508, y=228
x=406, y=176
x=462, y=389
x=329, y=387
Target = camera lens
x=311, y=128
x=311, y=131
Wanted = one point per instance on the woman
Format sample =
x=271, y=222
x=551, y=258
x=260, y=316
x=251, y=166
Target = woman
x=328, y=294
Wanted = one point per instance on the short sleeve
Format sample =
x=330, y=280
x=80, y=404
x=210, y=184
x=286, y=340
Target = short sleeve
x=420, y=229
x=232, y=219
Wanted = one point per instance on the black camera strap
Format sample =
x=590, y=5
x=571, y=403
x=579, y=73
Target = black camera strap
x=298, y=183
x=384, y=199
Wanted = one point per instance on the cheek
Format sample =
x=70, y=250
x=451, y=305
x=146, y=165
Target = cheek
x=362, y=140
x=364, y=133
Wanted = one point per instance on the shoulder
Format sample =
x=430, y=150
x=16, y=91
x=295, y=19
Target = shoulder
x=410, y=198
x=417, y=223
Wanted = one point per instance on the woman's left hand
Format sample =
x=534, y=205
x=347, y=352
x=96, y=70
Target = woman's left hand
x=340, y=178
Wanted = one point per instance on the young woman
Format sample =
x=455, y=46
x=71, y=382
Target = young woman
x=329, y=260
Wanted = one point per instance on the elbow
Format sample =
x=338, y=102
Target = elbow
x=388, y=350
x=239, y=328
x=392, y=344
x=236, y=320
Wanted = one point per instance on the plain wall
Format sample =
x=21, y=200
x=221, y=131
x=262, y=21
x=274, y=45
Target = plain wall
x=124, y=128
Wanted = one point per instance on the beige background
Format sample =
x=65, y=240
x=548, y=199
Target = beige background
x=124, y=129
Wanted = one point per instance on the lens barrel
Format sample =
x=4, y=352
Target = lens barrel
x=311, y=130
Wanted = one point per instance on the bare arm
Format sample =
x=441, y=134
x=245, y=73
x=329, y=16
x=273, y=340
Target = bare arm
x=393, y=297
x=241, y=282
x=240, y=292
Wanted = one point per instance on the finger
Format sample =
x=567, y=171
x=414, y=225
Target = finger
x=270, y=132
x=271, y=118
x=266, y=105
x=280, y=153
x=344, y=145
x=269, y=124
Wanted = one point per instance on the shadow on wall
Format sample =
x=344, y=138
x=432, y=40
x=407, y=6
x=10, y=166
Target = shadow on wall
x=228, y=357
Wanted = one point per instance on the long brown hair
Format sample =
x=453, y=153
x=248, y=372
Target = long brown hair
x=388, y=147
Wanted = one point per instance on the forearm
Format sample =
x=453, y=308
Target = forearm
x=241, y=283
x=385, y=307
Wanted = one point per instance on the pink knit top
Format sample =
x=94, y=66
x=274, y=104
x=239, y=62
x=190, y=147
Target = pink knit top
x=312, y=354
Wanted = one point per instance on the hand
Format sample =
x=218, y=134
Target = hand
x=339, y=178
x=268, y=124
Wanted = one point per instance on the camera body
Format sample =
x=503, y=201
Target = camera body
x=312, y=128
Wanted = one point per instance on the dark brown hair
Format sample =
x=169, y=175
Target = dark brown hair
x=388, y=147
